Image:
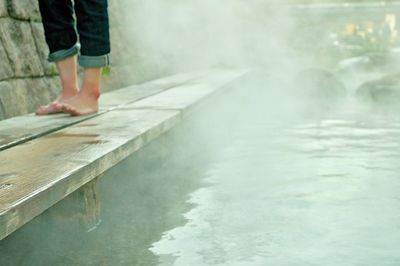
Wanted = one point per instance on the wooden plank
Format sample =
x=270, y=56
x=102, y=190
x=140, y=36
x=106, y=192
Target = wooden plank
x=20, y=129
x=61, y=162
x=80, y=210
x=130, y=94
x=182, y=96
x=37, y=174
x=89, y=197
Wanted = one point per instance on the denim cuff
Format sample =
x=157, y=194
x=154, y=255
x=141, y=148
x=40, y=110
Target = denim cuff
x=93, y=61
x=61, y=54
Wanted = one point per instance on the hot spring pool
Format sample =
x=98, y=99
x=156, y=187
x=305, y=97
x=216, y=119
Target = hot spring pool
x=244, y=183
x=317, y=193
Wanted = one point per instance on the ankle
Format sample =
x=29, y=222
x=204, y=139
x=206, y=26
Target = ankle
x=69, y=94
x=69, y=91
x=91, y=92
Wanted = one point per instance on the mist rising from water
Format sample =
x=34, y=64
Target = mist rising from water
x=179, y=36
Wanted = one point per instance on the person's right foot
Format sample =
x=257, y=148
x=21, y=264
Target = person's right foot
x=54, y=107
x=82, y=104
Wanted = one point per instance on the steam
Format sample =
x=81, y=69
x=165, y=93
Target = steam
x=181, y=35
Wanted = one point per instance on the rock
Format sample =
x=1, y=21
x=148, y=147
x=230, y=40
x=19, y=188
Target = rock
x=5, y=67
x=358, y=63
x=43, y=50
x=385, y=90
x=5, y=90
x=320, y=84
x=3, y=8
x=53, y=87
x=13, y=98
x=41, y=91
x=18, y=41
x=22, y=96
x=25, y=10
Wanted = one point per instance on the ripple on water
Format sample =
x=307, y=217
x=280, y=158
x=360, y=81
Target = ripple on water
x=321, y=193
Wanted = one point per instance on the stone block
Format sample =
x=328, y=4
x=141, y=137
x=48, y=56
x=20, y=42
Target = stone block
x=43, y=50
x=3, y=8
x=384, y=91
x=5, y=67
x=20, y=46
x=51, y=90
x=13, y=98
x=25, y=10
x=40, y=91
x=22, y=96
x=5, y=90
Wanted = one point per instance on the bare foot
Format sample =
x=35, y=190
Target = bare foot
x=54, y=107
x=81, y=104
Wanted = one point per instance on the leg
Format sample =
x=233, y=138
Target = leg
x=93, y=30
x=86, y=101
x=58, y=24
x=92, y=22
x=61, y=38
x=69, y=83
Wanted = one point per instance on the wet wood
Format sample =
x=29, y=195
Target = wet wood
x=20, y=129
x=39, y=173
x=80, y=211
x=90, y=198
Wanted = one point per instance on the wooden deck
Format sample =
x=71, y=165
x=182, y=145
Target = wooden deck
x=44, y=159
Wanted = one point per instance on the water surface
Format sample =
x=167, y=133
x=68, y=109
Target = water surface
x=313, y=190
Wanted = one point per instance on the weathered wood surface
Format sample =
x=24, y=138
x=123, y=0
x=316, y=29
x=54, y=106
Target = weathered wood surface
x=20, y=129
x=63, y=161
x=183, y=96
x=133, y=93
x=89, y=199
x=38, y=173
x=80, y=211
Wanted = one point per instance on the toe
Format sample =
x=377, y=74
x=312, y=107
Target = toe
x=48, y=109
x=68, y=109
x=41, y=110
x=58, y=105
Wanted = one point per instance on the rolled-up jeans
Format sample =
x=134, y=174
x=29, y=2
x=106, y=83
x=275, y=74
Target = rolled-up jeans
x=91, y=28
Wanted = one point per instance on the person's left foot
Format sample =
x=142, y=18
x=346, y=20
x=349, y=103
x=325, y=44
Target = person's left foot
x=81, y=104
x=53, y=107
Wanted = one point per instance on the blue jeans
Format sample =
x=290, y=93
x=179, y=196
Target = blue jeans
x=91, y=25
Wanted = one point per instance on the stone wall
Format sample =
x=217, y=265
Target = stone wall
x=27, y=80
